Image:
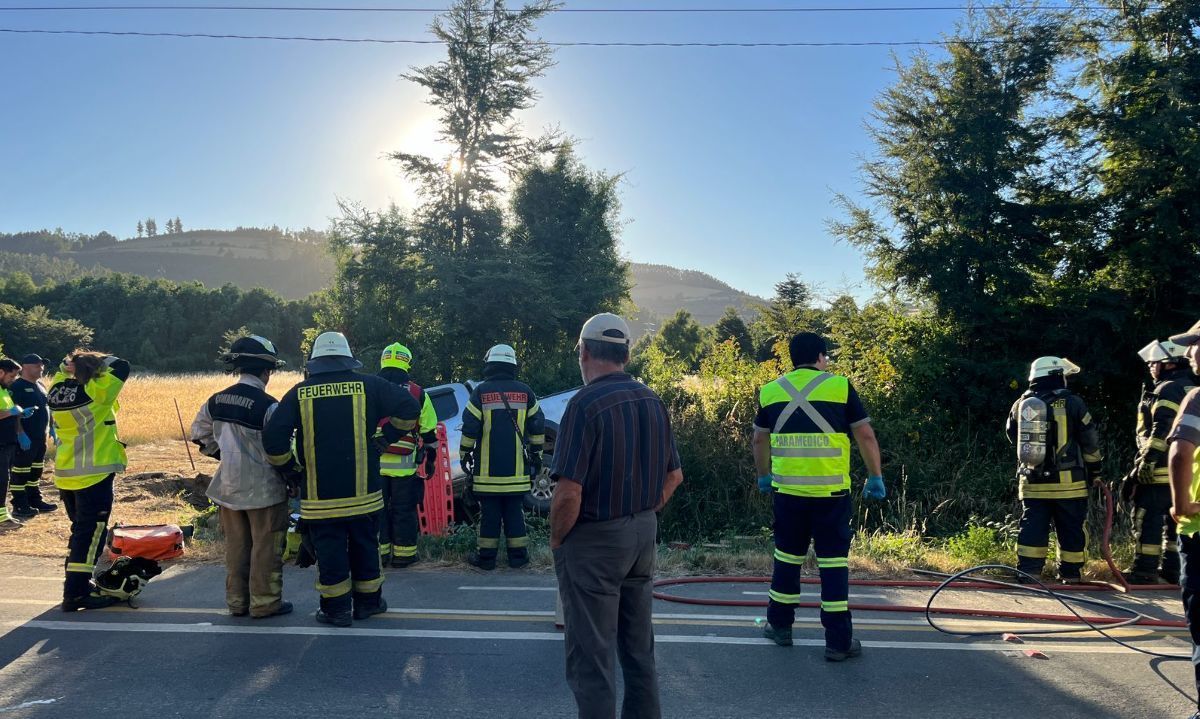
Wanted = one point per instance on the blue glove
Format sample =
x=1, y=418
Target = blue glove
x=23, y=442
x=764, y=484
x=874, y=488
x=53, y=436
x=28, y=412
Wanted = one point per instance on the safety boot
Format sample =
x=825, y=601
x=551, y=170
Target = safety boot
x=87, y=601
x=484, y=563
x=21, y=508
x=838, y=655
x=516, y=561
x=1140, y=577
x=337, y=619
x=780, y=635
x=1170, y=576
x=285, y=607
x=34, y=495
x=402, y=562
x=368, y=605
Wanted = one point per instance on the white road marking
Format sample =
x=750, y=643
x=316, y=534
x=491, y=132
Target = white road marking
x=317, y=631
x=508, y=589
x=26, y=705
x=852, y=595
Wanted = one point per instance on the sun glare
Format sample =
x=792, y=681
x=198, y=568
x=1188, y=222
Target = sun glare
x=454, y=166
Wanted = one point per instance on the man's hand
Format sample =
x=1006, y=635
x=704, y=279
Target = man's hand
x=23, y=442
x=874, y=488
x=1181, y=512
x=1144, y=471
x=764, y=484
x=28, y=412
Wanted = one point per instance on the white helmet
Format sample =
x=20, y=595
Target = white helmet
x=1162, y=351
x=501, y=353
x=1046, y=366
x=331, y=344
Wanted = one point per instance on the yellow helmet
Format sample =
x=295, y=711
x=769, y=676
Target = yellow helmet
x=396, y=355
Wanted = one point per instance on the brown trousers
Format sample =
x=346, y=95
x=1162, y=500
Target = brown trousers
x=254, y=540
x=606, y=581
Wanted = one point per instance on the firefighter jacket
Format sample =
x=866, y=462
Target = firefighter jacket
x=1156, y=414
x=86, y=417
x=333, y=417
x=401, y=457
x=490, y=433
x=810, y=415
x=229, y=428
x=1072, y=444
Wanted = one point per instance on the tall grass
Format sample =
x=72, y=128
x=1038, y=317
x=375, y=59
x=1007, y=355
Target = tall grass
x=147, y=412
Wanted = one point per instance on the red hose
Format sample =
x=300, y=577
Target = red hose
x=1105, y=549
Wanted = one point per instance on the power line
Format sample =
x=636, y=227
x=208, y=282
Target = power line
x=434, y=41
x=616, y=10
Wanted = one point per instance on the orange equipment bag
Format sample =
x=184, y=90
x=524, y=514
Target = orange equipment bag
x=152, y=541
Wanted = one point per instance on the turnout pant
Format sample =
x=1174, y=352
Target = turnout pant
x=1189, y=581
x=254, y=540
x=1155, y=531
x=398, y=527
x=27, y=471
x=88, y=510
x=507, y=510
x=605, y=579
x=1033, y=538
x=824, y=522
x=7, y=452
x=347, y=561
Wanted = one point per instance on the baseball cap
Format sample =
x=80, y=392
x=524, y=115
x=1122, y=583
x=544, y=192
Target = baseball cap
x=1191, y=337
x=32, y=359
x=606, y=327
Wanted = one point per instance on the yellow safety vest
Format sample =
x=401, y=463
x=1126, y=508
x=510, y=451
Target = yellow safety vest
x=88, y=449
x=405, y=465
x=808, y=464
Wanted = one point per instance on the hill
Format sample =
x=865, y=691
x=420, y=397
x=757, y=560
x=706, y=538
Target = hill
x=294, y=265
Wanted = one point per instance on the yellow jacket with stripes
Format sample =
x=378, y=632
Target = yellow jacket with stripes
x=86, y=417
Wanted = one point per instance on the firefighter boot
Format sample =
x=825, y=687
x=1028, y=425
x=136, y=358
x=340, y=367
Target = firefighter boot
x=368, y=604
x=87, y=601
x=485, y=563
x=34, y=494
x=21, y=508
x=837, y=655
x=518, y=557
x=335, y=611
x=780, y=635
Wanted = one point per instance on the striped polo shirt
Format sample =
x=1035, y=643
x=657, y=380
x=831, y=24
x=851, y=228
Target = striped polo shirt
x=616, y=441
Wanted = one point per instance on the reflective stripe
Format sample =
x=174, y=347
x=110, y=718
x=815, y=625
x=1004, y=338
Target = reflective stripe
x=94, y=548
x=488, y=542
x=1032, y=552
x=1073, y=557
x=403, y=551
x=806, y=452
x=368, y=586
x=1164, y=404
x=783, y=598
x=786, y=558
x=1171, y=546
x=329, y=591
x=1150, y=549
x=800, y=402
x=1188, y=420
x=831, y=479
x=835, y=606
x=359, y=407
x=310, y=452
x=102, y=470
x=1159, y=444
x=832, y=562
x=80, y=567
x=518, y=542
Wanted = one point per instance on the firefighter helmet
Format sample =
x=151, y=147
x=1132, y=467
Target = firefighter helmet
x=501, y=353
x=396, y=355
x=1048, y=366
x=127, y=577
x=252, y=352
x=1162, y=351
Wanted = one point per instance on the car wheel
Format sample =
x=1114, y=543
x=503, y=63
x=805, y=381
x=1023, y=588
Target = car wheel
x=542, y=489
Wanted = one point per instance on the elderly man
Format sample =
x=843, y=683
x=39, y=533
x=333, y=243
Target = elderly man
x=616, y=464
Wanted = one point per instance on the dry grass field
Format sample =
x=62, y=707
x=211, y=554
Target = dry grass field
x=148, y=402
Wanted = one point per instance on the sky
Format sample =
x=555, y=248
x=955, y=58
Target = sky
x=732, y=157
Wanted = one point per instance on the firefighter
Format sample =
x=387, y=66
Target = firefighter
x=30, y=459
x=1058, y=451
x=333, y=415
x=1148, y=482
x=251, y=497
x=12, y=440
x=801, y=444
x=403, y=489
x=502, y=437
x=83, y=402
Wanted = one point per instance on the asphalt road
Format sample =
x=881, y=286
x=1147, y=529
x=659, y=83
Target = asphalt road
x=475, y=644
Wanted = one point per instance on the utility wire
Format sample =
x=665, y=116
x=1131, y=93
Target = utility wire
x=615, y=10
x=434, y=41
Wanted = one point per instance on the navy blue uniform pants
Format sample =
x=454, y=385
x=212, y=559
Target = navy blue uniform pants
x=88, y=510
x=348, y=568
x=398, y=527
x=27, y=468
x=1033, y=537
x=825, y=523
x=1155, y=530
x=1189, y=581
x=502, y=509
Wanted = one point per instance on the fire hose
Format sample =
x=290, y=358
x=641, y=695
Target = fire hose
x=965, y=580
